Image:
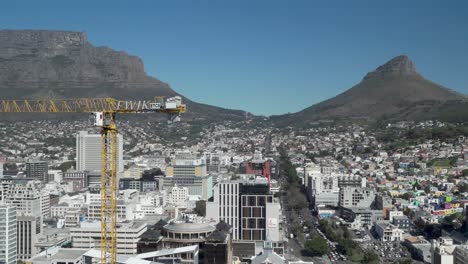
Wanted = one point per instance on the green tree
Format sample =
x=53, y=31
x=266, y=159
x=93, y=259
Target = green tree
x=67, y=165
x=406, y=196
x=10, y=166
x=328, y=230
x=370, y=257
x=406, y=261
x=296, y=198
x=200, y=208
x=463, y=187
x=427, y=189
x=454, y=221
x=315, y=247
x=346, y=246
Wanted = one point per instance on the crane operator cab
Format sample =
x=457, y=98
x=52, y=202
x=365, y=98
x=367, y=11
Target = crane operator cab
x=98, y=118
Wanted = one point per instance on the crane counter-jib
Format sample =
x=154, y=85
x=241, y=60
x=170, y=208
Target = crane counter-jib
x=91, y=105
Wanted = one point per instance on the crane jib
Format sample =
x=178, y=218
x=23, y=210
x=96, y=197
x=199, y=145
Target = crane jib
x=140, y=105
x=91, y=105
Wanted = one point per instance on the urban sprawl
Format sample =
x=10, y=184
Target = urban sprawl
x=236, y=192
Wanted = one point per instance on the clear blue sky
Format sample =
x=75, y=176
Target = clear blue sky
x=266, y=57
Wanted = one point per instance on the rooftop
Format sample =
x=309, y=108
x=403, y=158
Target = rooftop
x=189, y=227
x=58, y=254
x=165, y=252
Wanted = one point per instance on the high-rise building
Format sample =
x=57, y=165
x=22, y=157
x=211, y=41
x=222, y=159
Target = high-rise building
x=248, y=206
x=29, y=228
x=25, y=197
x=8, y=240
x=226, y=206
x=88, y=152
x=38, y=170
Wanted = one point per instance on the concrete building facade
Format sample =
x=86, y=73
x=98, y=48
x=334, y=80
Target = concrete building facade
x=356, y=197
x=88, y=152
x=88, y=235
x=29, y=228
x=8, y=233
x=38, y=170
x=248, y=207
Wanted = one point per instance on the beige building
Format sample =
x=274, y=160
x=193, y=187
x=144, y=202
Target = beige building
x=185, y=164
x=186, y=170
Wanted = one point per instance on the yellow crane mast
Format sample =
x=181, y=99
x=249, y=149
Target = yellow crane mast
x=104, y=111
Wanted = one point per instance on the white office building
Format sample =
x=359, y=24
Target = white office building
x=26, y=198
x=88, y=152
x=123, y=210
x=88, y=235
x=178, y=195
x=225, y=206
x=8, y=238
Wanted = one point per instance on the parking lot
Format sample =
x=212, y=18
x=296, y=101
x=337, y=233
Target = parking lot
x=389, y=252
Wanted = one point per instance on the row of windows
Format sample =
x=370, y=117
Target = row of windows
x=253, y=223
x=256, y=200
x=253, y=234
x=253, y=212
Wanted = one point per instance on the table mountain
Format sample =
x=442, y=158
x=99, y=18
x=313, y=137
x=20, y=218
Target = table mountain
x=63, y=64
x=394, y=90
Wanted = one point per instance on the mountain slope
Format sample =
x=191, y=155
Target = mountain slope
x=394, y=90
x=63, y=64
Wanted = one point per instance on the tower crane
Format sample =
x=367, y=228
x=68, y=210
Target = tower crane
x=104, y=111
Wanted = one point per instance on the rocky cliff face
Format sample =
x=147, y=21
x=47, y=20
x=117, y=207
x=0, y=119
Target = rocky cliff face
x=63, y=64
x=398, y=66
